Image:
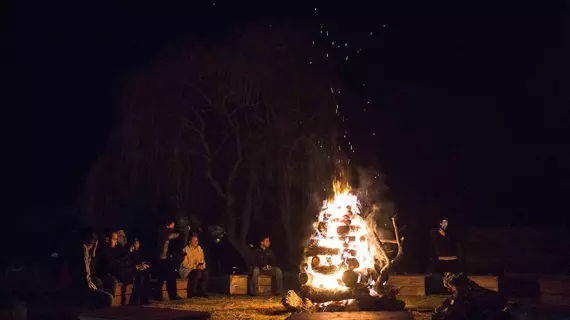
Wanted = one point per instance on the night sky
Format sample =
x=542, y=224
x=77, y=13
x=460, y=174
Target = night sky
x=467, y=113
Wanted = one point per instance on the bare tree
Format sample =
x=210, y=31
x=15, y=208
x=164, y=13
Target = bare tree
x=248, y=117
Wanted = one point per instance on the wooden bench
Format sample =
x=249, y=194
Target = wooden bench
x=239, y=284
x=555, y=291
x=487, y=282
x=409, y=285
x=181, y=289
x=415, y=285
x=122, y=294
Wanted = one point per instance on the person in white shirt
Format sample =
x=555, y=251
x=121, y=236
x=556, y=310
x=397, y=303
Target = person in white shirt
x=193, y=267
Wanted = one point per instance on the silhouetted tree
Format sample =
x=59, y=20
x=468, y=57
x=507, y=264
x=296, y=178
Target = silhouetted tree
x=250, y=118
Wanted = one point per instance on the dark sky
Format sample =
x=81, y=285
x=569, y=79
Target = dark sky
x=468, y=110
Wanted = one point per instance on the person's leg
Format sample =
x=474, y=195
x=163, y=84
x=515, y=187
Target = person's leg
x=171, y=282
x=97, y=282
x=204, y=282
x=196, y=278
x=145, y=286
x=109, y=284
x=278, y=279
x=99, y=298
x=253, y=283
x=161, y=278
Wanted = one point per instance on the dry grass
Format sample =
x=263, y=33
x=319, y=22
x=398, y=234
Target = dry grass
x=230, y=308
x=266, y=308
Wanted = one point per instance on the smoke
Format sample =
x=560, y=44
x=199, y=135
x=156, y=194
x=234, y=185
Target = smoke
x=377, y=209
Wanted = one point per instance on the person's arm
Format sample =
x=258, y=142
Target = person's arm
x=257, y=258
x=173, y=235
x=186, y=261
x=201, y=258
x=272, y=259
x=87, y=270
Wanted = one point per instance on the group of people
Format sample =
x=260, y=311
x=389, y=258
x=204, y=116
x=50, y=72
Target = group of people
x=117, y=260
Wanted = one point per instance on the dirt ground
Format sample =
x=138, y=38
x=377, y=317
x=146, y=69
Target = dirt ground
x=266, y=308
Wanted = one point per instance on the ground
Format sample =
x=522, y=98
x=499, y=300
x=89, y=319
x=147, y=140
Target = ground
x=266, y=308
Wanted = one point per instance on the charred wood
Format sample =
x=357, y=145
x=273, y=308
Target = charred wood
x=318, y=295
x=293, y=303
x=314, y=251
x=345, y=230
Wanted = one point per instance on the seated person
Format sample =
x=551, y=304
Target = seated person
x=85, y=287
x=266, y=263
x=142, y=277
x=193, y=267
x=116, y=265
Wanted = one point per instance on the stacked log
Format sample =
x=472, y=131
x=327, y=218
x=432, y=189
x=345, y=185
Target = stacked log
x=318, y=295
x=314, y=251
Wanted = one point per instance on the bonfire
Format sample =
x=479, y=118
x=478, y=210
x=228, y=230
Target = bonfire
x=345, y=266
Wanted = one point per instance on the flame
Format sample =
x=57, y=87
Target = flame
x=342, y=210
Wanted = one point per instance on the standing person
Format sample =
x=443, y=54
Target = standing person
x=85, y=287
x=193, y=267
x=165, y=266
x=266, y=263
x=445, y=249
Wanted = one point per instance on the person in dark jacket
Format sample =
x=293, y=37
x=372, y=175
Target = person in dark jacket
x=265, y=263
x=86, y=288
x=445, y=258
x=115, y=265
x=166, y=264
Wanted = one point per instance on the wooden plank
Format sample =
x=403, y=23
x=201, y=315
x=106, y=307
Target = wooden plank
x=487, y=282
x=555, y=300
x=554, y=287
x=120, y=298
x=238, y=284
x=264, y=280
x=379, y=315
x=181, y=289
x=409, y=285
x=138, y=313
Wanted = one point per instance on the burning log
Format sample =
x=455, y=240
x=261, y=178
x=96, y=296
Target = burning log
x=322, y=227
x=345, y=230
x=305, y=278
x=318, y=295
x=350, y=252
x=325, y=269
x=315, y=251
x=352, y=278
x=352, y=263
x=350, y=239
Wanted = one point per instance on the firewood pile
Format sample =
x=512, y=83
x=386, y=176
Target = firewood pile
x=345, y=265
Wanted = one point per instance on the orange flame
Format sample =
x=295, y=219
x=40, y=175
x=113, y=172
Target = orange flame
x=341, y=229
